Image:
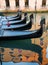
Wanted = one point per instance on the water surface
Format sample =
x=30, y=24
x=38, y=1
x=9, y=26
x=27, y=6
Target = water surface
x=21, y=63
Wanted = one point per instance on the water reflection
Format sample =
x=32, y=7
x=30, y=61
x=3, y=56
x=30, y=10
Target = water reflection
x=47, y=52
x=20, y=63
x=39, y=16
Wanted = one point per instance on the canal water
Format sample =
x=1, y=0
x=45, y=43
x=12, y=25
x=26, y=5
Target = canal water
x=20, y=63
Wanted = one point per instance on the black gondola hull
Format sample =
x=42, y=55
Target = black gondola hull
x=18, y=27
x=21, y=35
x=14, y=19
x=23, y=21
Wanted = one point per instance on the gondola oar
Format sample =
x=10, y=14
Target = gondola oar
x=16, y=35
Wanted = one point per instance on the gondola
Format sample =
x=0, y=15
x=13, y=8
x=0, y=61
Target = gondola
x=13, y=19
x=10, y=19
x=23, y=21
x=5, y=21
x=17, y=35
x=25, y=26
x=14, y=16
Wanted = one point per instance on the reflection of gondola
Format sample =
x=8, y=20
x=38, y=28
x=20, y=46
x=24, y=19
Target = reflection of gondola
x=15, y=22
x=25, y=26
x=9, y=35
